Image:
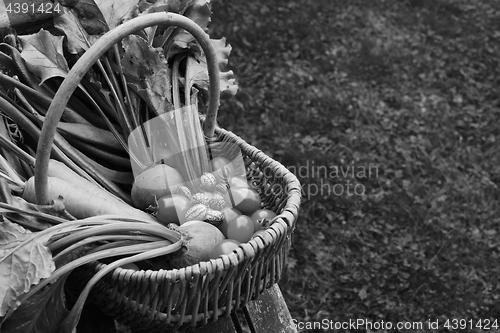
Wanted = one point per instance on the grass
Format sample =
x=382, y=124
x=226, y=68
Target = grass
x=407, y=90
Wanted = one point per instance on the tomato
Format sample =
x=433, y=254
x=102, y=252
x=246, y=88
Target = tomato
x=240, y=229
x=217, y=164
x=262, y=214
x=225, y=246
x=172, y=209
x=237, y=182
x=246, y=200
x=229, y=214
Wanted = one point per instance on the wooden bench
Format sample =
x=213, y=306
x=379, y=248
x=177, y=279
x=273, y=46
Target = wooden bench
x=269, y=313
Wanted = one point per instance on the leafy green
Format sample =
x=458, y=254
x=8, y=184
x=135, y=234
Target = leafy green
x=174, y=6
x=41, y=313
x=43, y=54
x=34, y=222
x=199, y=11
x=158, y=35
x=197, y=72
x=20, y=267
x=148, y=72
x=99, y=16
x=89, y=14
x=78, y=39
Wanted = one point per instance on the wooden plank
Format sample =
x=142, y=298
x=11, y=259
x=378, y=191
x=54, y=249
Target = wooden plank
x=269, y=313
x=222, y=325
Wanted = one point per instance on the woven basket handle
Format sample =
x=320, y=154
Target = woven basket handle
x=88, y=59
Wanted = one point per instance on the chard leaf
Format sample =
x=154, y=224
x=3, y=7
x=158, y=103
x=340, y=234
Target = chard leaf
x=99, y=16
x=197, y=72
x=22, y=267
x=154, y=6
x=180, y=41
x=117, y=11
x=41, y=313
x=77, y=37
x=174, y=6
x=147, y=72
x=199, y=11
x=43, y=54
x=89, y=14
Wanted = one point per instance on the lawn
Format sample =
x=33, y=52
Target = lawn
x=388, y=113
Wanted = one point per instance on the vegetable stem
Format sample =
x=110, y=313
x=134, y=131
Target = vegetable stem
x=69, y=324
x=103, y=44
x=116, y=228
x=116, y=240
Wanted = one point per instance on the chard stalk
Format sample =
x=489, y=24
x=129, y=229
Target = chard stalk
x=116, y=228
x=69, y=324
x=13, y=148
x=116, y=92
x=146, y=251
x=117, y=241
x=50, y=218
x=91, y=56
x=40, y=98
x=67, y=226
x=11, y=173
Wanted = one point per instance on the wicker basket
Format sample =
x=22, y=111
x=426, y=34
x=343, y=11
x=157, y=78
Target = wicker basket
x=179, y=299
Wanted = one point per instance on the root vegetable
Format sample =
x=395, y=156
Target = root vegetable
x=200, y=238
x=84, y=200
x=155, y=182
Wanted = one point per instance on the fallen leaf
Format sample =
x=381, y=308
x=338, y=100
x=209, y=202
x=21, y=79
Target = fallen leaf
x=362, y=293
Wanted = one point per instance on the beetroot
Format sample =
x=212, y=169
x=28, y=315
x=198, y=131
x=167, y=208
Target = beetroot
x=199, y=239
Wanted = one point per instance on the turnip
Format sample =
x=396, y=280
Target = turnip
x=199, y=238
x=153, y=183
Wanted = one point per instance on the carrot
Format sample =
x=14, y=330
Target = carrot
x=85, y=199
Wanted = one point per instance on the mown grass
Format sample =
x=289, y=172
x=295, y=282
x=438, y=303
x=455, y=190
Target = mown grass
x=406, y=88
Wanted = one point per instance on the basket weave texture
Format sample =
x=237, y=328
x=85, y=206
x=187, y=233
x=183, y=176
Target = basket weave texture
x=179, y=299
